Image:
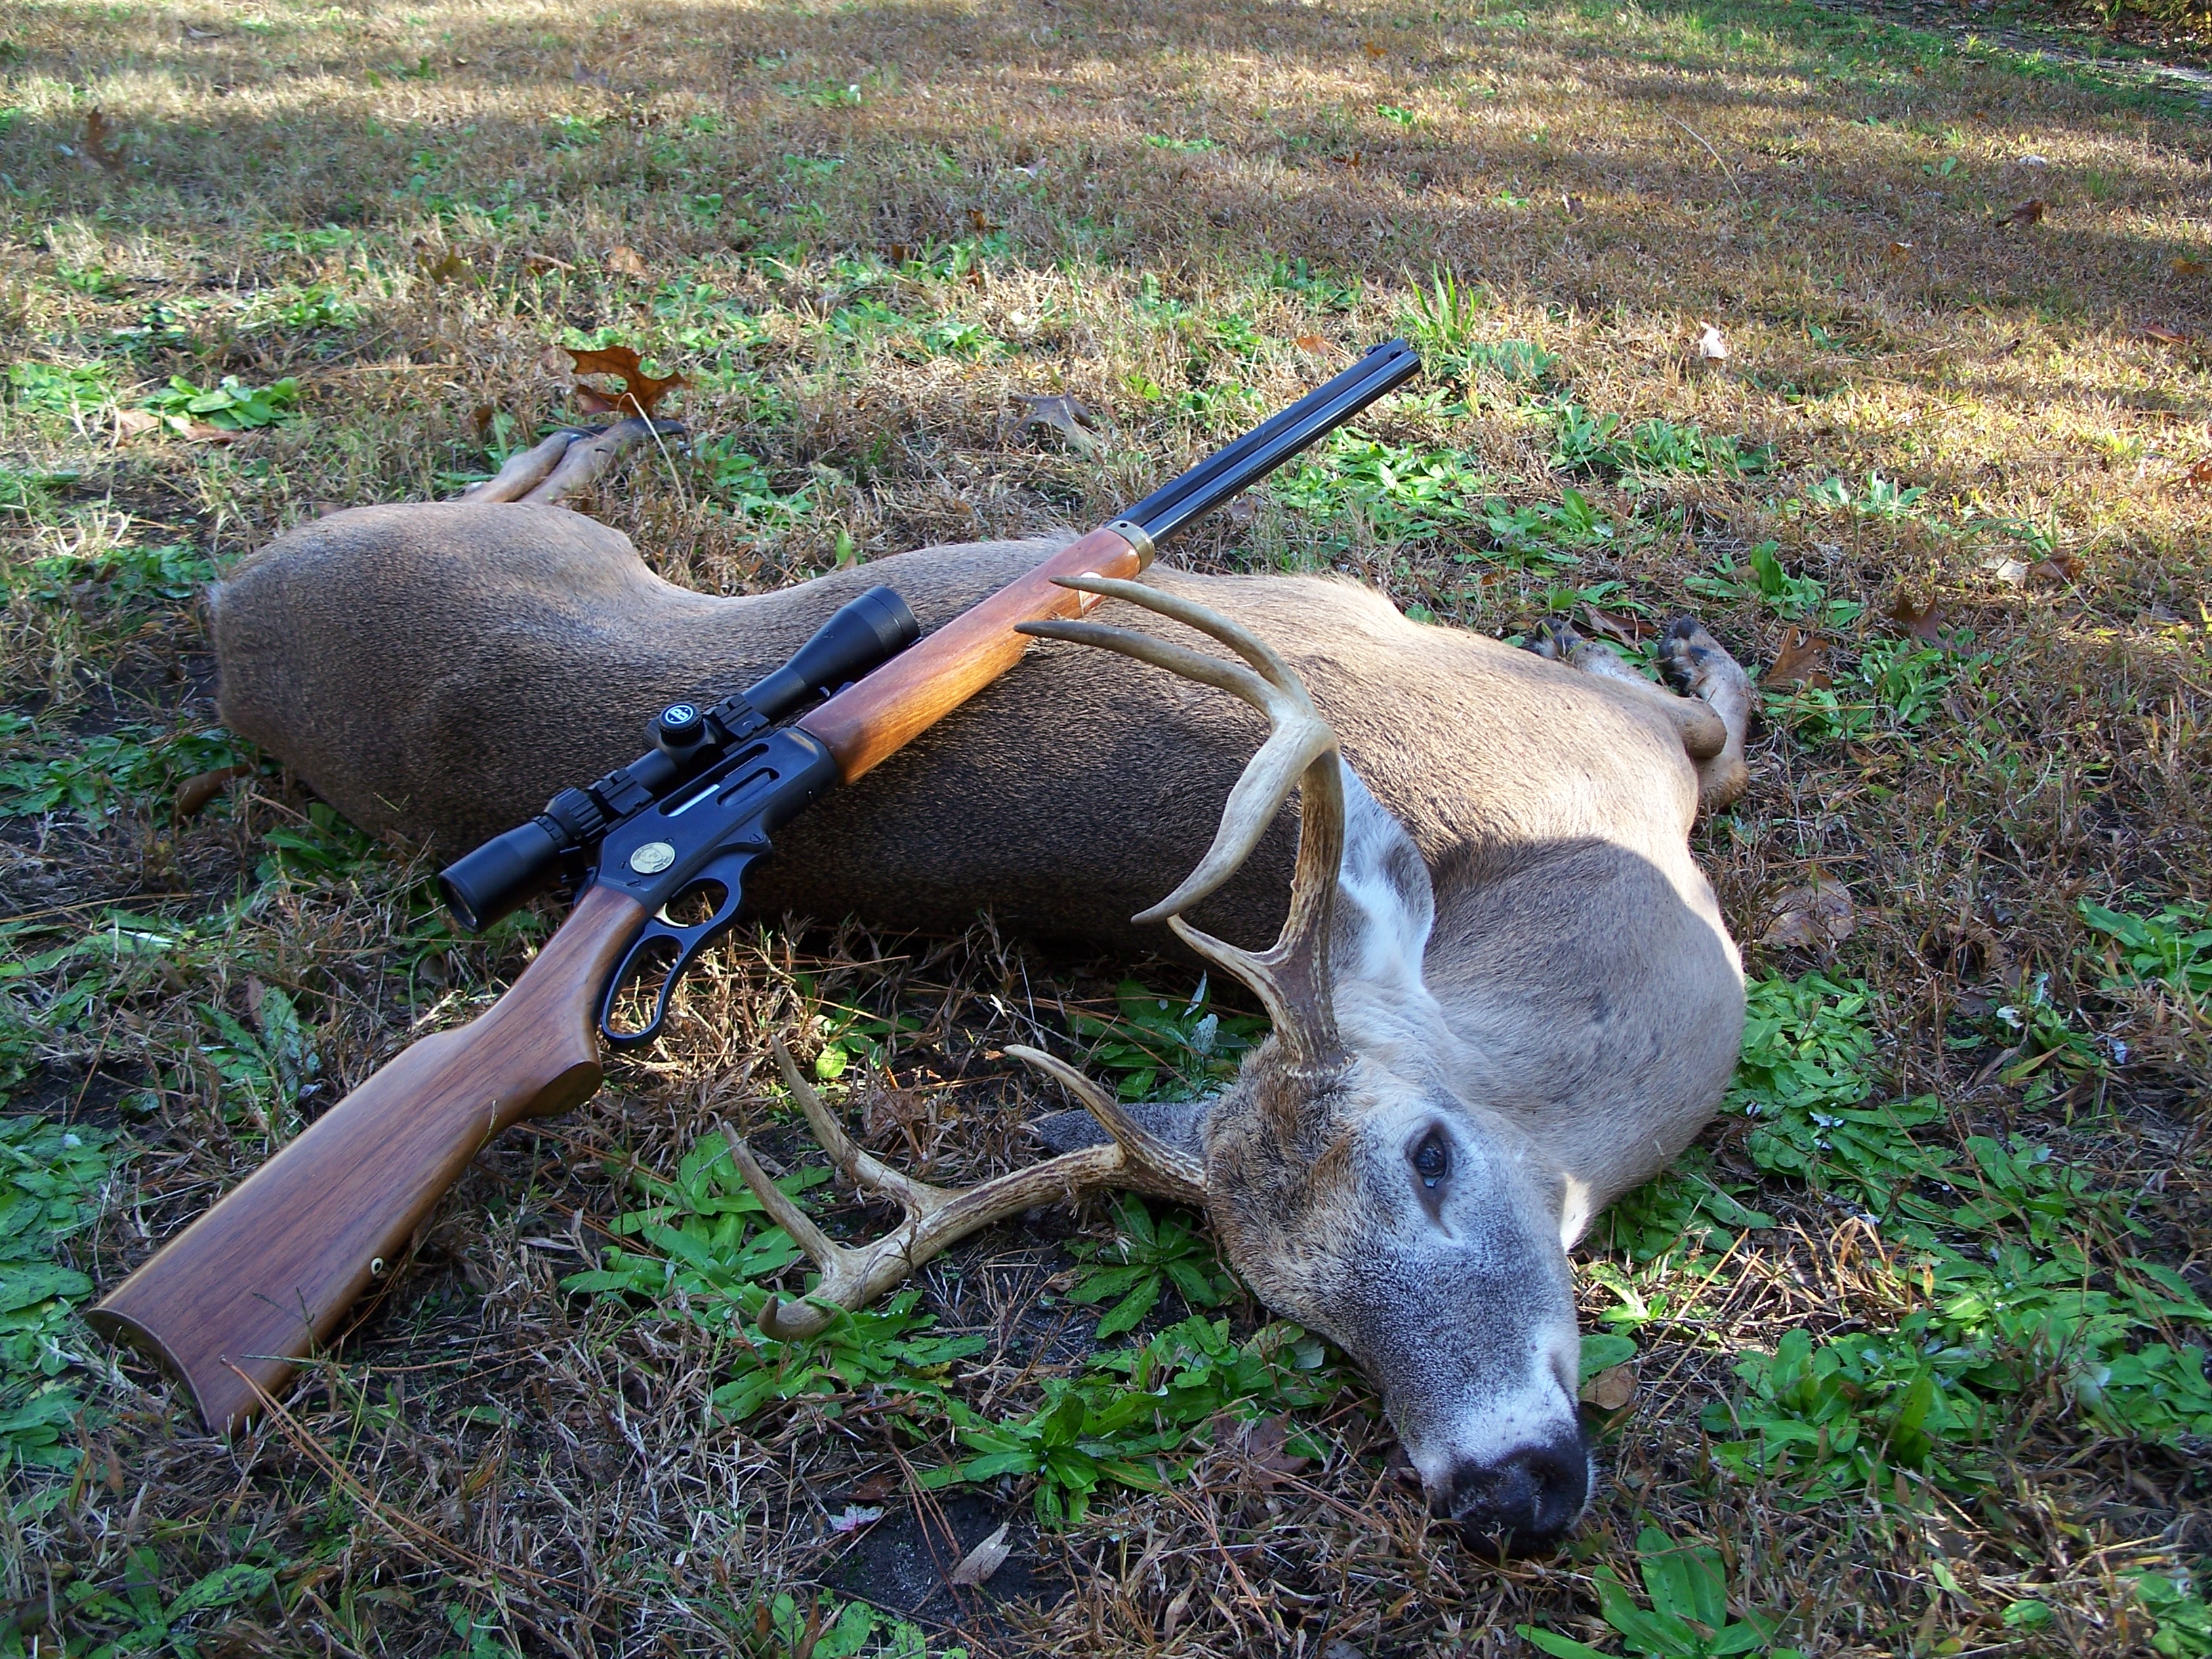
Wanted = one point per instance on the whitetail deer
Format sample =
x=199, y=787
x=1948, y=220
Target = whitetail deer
x=1503, y=995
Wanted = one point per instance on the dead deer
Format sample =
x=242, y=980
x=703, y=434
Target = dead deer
x=1501, y=990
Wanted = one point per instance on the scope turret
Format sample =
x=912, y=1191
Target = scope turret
x=498, y=878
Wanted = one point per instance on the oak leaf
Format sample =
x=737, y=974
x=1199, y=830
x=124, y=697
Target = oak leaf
x=2165, y=335
x=1924, y=622
x=2029, y=212
x=1375, y=51
x=628, y=261
x=2201, y=473
x=1900, y=252
x=1803, y=660
x=1312, y=343
x=96, y=131
x=641, y=392
x=2185, y=266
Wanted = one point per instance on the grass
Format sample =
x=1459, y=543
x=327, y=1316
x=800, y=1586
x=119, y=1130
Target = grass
x=1906, y=1356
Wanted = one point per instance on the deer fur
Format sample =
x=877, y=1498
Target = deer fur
x=1529, y=969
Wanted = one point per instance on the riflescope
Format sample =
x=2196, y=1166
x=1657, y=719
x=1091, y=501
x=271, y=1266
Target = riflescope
x=498, y=877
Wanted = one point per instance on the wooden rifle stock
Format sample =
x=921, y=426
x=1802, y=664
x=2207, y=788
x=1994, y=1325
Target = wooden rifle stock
x=271, y=1270
x=864, y=723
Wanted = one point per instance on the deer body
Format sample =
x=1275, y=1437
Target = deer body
x=1505, y=993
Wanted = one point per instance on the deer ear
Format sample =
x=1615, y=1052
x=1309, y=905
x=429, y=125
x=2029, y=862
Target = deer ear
x=1180, y=1123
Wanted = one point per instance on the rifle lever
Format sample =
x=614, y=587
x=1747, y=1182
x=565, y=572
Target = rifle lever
x=727, y=872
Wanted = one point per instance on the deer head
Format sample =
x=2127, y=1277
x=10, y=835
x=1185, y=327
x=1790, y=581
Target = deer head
x=1352, y=1188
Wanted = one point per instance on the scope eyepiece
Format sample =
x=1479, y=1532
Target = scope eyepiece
x=502, y=876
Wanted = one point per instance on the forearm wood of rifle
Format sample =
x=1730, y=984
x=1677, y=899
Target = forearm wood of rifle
x=866, y=723
x=270, y=1271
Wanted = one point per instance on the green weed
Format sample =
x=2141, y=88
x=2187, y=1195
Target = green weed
x=781, y=1629
x=50, y=1176
x=714, y=1255
x=98, y=775
x=76, y=391
x=146, y=1621
x=741, y=482
x=2173, y=948
x=1146, y=1257
x=232, y=406
x=1162, y=1052
x=1794, y=598
x=1688, y=1617
x=1582, y=442
x=2181, y=1622
x=1131, y=1417
x=1895, y=689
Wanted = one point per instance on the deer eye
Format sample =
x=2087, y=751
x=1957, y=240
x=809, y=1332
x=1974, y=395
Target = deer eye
x=1431, y=1159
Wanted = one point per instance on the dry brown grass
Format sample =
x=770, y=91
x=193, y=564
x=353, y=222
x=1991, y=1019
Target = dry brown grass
x=1834, y=199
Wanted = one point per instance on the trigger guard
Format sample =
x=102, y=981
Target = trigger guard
x=688, y=942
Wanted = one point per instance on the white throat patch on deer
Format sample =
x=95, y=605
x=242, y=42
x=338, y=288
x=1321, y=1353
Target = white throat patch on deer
x=1352, y=1188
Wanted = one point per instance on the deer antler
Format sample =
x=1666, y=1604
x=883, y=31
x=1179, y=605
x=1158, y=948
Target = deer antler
x=1293, y=976
x=937, y=1217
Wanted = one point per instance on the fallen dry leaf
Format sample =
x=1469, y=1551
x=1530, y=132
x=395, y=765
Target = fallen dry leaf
x=1710, y=347
x=1803, y=660
x=1611, y=1388
x=1924, y=622
x=1262, y=1441
x=196, y=792
x=641, y=392
x=628, y=261
x=987, y=1558
x=2201, y=473
x=1177, y=1608
x=589, y=77
x=876, y=1489
x=899, y=253
x=2185, y=266
x=2012, y=572
x=2029, y=212
x=135, y=423
x=1805, y=918
x=978, y=222
x=1900, y=252
x=1312, y=343
x=2166, y=336
x=1622, y=629
x=856, y=1516
x=1058, y=412
x=538, y=263
x=97, y=133
x=447, y=267
x=2057, y=569
x=1375, y=51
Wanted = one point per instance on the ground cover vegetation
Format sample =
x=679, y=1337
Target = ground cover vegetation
x=1882, y=348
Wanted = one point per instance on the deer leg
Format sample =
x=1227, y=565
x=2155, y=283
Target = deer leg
x=1697, y=666
x=1710, y=733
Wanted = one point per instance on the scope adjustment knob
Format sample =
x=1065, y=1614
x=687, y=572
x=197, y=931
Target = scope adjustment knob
x=679, y=726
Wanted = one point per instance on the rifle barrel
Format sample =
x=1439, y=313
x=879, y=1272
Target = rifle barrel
x=1175, y=505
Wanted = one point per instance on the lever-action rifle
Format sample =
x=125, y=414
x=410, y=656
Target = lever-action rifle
x=233, y=1303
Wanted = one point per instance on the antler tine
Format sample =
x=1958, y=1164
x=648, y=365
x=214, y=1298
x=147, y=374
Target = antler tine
x=937, y=1217
x=1167, y=1168
x=1291, y=977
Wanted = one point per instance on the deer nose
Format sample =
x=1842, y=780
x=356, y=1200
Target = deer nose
x=1524, y=1504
